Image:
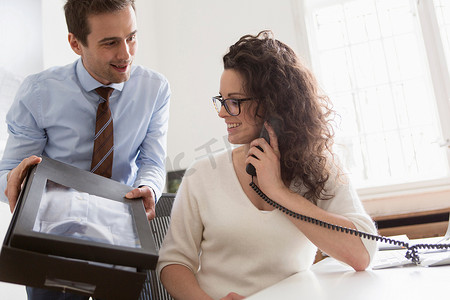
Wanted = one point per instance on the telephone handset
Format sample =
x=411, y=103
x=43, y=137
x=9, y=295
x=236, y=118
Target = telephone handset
x=264, y=134
x=411, y=254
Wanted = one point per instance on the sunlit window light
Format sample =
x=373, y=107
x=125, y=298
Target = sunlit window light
x=372, y=66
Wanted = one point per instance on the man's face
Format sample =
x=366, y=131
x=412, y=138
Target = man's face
x=111, y=46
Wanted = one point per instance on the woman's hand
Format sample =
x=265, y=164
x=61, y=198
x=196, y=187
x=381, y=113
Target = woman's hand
x=266, y=162
x=233, y=296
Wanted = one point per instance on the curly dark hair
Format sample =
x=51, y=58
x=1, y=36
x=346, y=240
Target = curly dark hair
x=78, y=11
x=287, y=94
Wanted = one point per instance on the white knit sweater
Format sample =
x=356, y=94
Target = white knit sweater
x=229, y=244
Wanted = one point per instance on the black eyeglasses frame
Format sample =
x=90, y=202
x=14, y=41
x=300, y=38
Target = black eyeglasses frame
x=223, y=103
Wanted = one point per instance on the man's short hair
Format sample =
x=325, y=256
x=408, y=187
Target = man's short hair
x=78, y=11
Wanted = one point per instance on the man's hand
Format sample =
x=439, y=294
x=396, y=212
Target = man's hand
x=148, y=197
x=16, y=177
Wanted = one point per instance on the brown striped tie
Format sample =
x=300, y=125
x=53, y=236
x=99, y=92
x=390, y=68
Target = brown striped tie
x=102, y=157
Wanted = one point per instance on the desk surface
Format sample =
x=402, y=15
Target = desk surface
x=330, y=279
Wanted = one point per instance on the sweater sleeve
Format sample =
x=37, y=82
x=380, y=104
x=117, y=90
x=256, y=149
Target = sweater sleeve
x=181, y=244
x=346, y=202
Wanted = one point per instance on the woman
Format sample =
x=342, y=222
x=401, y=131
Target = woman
x=225, y=241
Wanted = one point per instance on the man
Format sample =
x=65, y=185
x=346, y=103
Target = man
x=54, y=113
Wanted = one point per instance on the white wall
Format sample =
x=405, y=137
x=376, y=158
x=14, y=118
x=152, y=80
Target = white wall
x=20, y=50
x=21, y=37
x=57, y=51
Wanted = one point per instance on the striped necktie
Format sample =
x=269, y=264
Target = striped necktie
x=102, y=157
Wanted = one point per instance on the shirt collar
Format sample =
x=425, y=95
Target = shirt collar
x=88, y=82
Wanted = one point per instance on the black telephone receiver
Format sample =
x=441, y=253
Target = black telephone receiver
x=264, y=134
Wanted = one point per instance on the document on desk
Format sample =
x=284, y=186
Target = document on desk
x=435, y=259
x=390, y=258
x=388, y=246
x=428, y=258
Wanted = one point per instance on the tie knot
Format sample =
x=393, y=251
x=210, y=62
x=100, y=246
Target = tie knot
x=104, y=92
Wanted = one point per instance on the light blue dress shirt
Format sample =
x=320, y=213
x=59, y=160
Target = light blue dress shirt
x=54, y=115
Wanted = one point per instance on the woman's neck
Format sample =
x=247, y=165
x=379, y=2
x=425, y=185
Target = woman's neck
x=239, y=157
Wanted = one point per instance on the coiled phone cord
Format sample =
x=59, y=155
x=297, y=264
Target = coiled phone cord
x=412, y=250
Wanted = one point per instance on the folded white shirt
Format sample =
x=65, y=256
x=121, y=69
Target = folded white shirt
x=67, y=212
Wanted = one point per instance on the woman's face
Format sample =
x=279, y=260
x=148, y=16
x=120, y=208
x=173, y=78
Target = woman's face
x=243, y=128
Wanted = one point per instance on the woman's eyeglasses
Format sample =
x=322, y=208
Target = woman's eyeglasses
x=232, y=106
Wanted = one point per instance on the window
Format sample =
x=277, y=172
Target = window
x=372, y=58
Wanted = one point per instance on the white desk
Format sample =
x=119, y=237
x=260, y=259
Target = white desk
x=329, y=279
